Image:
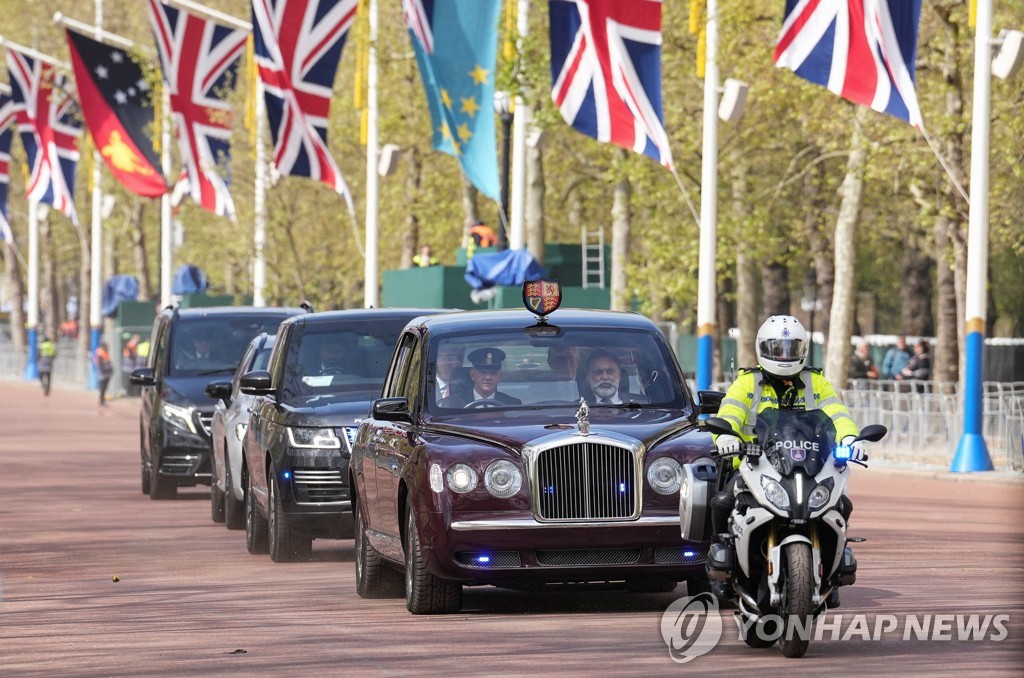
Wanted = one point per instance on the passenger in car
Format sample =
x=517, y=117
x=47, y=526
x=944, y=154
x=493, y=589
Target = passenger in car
x=449, y=357
x=485, y=374
x=602, y=380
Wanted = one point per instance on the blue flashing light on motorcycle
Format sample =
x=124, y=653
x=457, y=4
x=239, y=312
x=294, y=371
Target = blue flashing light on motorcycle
x=842, y=454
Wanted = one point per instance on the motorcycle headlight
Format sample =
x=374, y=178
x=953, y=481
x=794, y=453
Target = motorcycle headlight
x=240, y=430
x=503, y=479
x=461, y=478
x=775, y=493
x=178, y=416
x=819, y=497
x=313, y=438
x=665, y=475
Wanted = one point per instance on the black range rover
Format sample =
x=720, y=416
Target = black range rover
x=324, y=371
x=189, y=348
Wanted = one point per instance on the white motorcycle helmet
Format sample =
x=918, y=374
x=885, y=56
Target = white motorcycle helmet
x=782, y=345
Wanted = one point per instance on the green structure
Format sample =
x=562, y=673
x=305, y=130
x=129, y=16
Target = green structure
x=446, y=286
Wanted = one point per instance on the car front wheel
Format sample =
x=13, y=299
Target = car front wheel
x=374, y=579
x=425, y=593
x=286, y=545
x=234, y=510
x=255, y=524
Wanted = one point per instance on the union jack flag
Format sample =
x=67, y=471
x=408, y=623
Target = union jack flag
x=298, y=44
x=47, y=121
x=606, y=72
x=862, y=50
x=6, y=118
x=199, y=59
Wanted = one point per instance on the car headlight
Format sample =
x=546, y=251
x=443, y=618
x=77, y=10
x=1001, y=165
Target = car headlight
x=775, y=493
x=313, y=438
x=665, y=475
x=503, y=479
x=240, y=430
x=461, y=478
x=178, y=416
x=819, y=497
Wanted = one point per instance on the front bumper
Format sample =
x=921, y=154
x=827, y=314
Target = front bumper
x=501, y=549
x=184, y=457
x=315, y=493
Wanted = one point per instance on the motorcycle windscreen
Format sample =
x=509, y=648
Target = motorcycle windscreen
x=795, y=439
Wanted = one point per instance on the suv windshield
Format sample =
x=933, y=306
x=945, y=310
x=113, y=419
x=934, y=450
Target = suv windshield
x=347, y=360
x=605, y=366
x=214, y=344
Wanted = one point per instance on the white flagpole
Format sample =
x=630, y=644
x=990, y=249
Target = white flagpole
x=166, y=246
x=522, y=116
x=370, y=273
x=96, y=270
x=708, y=206
x=259, y=264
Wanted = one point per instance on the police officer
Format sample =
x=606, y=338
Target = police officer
x=425, y=258
x=781, y=380
x=47, y=354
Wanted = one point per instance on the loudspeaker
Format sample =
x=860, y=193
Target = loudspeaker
x=389, y=156
x=734, y=97
x=1010, y=56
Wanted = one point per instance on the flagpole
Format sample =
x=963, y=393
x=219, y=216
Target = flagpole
x=38, y=56
x=166, y=246
x=259, y=264
x=520, y=127
x=370, y=273
x=972, y=452
x=210, y=13
x=32, y=317
x=96, y=270
x=708, y=206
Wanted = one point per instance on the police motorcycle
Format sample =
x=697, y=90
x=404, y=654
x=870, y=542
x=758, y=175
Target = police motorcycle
x=786, y=551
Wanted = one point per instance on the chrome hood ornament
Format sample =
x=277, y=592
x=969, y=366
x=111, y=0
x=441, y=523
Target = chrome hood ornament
x=583, y=418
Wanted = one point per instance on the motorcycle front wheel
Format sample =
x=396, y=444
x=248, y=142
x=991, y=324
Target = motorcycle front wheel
x=797, y=605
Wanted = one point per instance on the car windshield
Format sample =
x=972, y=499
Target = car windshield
x=214, y=344
x=516, y=369
x=347, y=360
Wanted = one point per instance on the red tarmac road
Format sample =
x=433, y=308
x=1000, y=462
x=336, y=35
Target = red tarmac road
x=191, y=601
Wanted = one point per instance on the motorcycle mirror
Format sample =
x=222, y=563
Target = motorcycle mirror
x=719, y=426
x=873, y=433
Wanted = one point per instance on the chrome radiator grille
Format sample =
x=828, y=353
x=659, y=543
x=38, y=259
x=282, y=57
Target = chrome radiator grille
x=319, y=485
x=585, y=481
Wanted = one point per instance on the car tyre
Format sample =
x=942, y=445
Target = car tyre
x=160, y=488
x=285, y=544
x=216, y=501
x=234, y=510
x=145, y=480
x=374, y=578
x=425, y=593
x=255, y=524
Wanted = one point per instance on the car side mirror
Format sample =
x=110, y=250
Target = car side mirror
x=143, y=376
x=219, y=390
x=392, y=409
x=709, y=401
x=719, y=426
x=256, y=383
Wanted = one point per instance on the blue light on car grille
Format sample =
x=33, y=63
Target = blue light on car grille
x=286, y=475
x=490, y=559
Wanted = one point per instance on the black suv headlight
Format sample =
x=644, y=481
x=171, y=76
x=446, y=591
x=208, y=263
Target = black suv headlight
x=178, y=416
x=313, y=438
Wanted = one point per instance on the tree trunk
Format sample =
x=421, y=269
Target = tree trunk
x=17, y=288
x=837, y=354
x=535, y=189
x=944, y=359
x=413, y=180
x=138, y=238
x=747, y=317
x=620, y=243
x=822, y=273
x=916, y=293
x=775, y=289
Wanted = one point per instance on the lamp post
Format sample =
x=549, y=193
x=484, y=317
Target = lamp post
x=503, y=107
x=810, y=304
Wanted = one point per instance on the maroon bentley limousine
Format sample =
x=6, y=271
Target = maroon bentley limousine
x=521, y=450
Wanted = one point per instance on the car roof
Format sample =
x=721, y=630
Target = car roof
x=355, y=314
x=234, y=311
x=456, y=323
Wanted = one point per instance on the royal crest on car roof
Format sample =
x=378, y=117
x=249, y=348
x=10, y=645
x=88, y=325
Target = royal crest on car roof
x=542, y=296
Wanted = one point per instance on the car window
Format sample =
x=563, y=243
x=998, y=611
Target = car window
x=347, y=360
x=210, y=345
x=603, y=365
x=159, y=351
x=244, y=367
x=397, y=379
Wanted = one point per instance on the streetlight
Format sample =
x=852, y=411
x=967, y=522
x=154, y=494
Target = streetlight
x=503, y=107
x=810, y=304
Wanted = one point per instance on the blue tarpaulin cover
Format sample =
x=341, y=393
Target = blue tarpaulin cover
x=117, y=289
x=189, y=279
x=510, y=268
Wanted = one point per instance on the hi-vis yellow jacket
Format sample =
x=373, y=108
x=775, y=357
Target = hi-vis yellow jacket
x=751, y=393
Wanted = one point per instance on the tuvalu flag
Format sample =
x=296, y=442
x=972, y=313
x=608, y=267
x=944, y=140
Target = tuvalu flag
x=118, y=111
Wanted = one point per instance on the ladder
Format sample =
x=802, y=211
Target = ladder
x=592, y=245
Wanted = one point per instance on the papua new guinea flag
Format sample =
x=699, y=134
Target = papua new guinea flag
x=118, y=111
